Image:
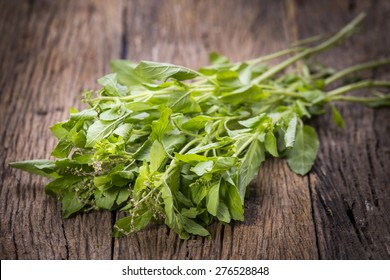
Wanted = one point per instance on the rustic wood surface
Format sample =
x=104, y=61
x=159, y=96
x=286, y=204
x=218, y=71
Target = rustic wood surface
x=51, y=50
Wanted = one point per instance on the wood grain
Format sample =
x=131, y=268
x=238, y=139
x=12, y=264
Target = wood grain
x=351, y=180
x=52, y=50
x=186, y=38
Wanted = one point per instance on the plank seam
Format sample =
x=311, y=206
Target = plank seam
x=123, y=46
x=113, y=219
x=66, y=240
x=15, y=245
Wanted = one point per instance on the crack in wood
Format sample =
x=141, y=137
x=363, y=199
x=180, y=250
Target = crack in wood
x=15, y=246
x=352, y=6
x=113, y=221
x=66, y=240
x=315, y=225
x=123, y=44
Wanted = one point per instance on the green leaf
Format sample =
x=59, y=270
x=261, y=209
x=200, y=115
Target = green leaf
x=109, y=82
x=139, y=106
x=162, y=125
x=101, y=181
x=71, y=204
x=129, y=173
x=190, y=212
x=245, y=73
x=224, y=163
x=229, y=78
x=196, y=123
x=234, y=203
x=223, y=214
x=173, y=143
x=198, y=193
x=142, y=220
x=143, y=153
x=106, y=199
x=191, y=158
x=141, y=179
x=179, y=101
x=124, y=225
x=166, y=195
x=112, y=113
x=64, y=166
x=289, y=137
x=88, y=114
x=62, y=149
x=163, y=71
x=302, y=156
x=157, y=156
x=270, y=144
x=79, y=139
x=237, y=132
x=337, y=118
x=253, y=122
x=82, y=158
x=40, y=167
x=123, y=195
x=203, y=167
x=216, y=58
x=300, y=109
x=193, y=227
x=126, y=73
x=123, y=130
x=218, y=62
x=212, y=199
x=207, y=147
x=100, y=130
x=315, y=96
x=122, y=178
x=58, y=131
x=140, y=116
x=60, y=185
x=247, y=94
x=250, y=166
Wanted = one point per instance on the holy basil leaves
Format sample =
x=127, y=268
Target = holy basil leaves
x=165, y=143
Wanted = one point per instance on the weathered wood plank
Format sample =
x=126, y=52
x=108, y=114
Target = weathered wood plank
x=350, y=182
x=278, y=221
x=50, y=51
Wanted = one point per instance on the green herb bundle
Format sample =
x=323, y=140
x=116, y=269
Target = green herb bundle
x=165, y=143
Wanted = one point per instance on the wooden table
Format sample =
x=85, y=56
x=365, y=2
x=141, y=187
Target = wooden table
x=51, y=50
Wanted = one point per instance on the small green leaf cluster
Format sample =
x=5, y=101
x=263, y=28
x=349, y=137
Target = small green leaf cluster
x=164, y=143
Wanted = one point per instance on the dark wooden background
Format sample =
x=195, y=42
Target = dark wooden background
x=51, y=50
